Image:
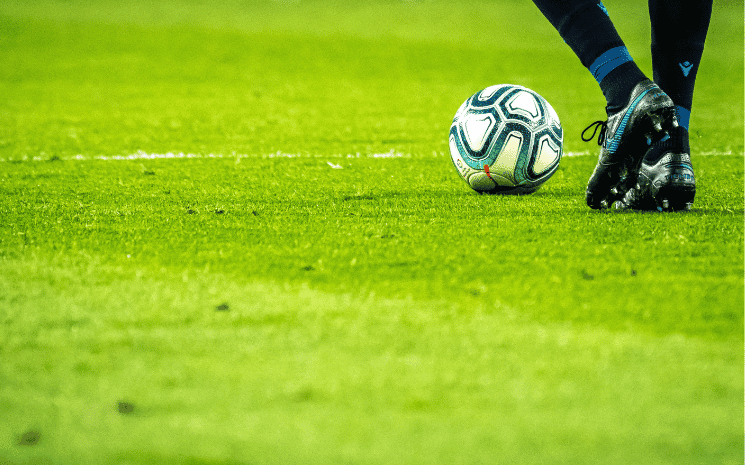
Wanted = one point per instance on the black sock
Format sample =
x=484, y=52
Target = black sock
x=678, y=35
x=586, y=27
x=618, y=84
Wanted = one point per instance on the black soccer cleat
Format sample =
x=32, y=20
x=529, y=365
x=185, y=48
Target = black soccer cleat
x=624, y=138
x=665, y=181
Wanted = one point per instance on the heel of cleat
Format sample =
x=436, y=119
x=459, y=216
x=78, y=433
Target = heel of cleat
x=670, y=182
x=675, y=198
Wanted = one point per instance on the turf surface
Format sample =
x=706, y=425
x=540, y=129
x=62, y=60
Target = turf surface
x=233, y=234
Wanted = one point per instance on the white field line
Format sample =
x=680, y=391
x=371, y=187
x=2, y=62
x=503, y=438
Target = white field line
x=695, y=154
x=142, y=155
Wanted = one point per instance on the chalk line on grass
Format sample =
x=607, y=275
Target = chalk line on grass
x=143, y=155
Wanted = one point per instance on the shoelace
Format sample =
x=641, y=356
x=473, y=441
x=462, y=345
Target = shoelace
x=602, y=125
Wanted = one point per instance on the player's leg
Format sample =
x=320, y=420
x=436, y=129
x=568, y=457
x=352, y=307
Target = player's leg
x=637, y=109
x=679, y=31
x=588, y=30
x=666, y=180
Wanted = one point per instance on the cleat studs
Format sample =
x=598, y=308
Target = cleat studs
x=620, y=205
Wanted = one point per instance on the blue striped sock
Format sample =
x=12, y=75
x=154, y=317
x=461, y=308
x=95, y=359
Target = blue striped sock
x=609, y=61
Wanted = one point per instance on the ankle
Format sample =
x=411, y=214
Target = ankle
x=618, y=85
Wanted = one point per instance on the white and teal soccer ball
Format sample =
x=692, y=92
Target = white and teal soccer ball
x=506, y=139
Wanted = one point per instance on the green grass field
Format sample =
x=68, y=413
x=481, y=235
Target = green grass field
x=232, y=234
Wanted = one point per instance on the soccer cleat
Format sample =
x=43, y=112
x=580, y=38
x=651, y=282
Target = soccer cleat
x=665, y=180
x=624, y=138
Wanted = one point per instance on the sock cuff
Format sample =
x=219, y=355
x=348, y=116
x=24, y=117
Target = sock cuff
x=618, y=84
x=609, y=61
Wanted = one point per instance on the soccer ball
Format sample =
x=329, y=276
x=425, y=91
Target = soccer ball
x=506, y=139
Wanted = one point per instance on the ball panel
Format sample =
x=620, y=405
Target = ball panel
x=468, y=126
x=511, y=107
x=489, y=92
x=477, y=127
x=547, y=155
x=525, y=104
x=506, y=161
x=481, y=182
x=521, y=169
x=487, y=97
x=554, y=121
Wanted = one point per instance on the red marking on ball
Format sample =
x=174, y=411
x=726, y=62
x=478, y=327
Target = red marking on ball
x=486, y=170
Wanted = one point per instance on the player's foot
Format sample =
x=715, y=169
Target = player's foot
x=665, y=180
x=624, y=138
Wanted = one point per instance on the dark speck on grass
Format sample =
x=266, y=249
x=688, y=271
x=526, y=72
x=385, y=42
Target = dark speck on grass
x=633, y=272
x=219, y=212
x=190, y=211
x=587, y=276
x=399, y=264
x=125, y=407
x=55, y=158
x=255, y=213
x=223, y=307
x=304, y=395
x=29, y=438
x=308, y=268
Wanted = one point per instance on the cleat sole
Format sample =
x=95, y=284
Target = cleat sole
x=673, y=198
